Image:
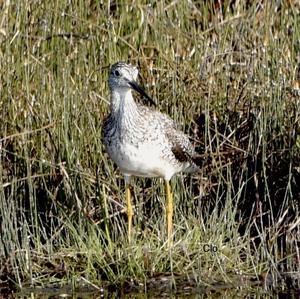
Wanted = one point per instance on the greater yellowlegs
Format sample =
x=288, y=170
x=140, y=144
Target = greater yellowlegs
x=143, y=142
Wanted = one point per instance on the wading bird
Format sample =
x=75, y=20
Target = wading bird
x=143, y=142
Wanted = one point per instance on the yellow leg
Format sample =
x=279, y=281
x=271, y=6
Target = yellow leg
x=169, y=211
x=129, y=210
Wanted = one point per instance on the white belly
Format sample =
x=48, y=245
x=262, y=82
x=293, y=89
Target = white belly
x=145, y=160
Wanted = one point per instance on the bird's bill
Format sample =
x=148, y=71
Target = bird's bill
x=141, y=91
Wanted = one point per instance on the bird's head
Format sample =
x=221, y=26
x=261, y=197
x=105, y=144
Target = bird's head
x=123, y=76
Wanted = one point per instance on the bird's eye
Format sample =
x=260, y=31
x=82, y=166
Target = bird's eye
x=117, y=73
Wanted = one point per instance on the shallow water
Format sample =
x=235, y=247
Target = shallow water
x=232, y=293
x=185, y=292
x=169, y=286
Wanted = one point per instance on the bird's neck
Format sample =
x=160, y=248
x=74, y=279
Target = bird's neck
x=122, y=102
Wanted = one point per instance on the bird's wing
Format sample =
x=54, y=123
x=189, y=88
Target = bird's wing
x=180, y=144
x=182, y=148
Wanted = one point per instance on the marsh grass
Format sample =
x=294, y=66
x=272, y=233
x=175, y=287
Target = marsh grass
x=229, y=75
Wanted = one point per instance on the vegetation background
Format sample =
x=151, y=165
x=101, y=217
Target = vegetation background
x=226, y=71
